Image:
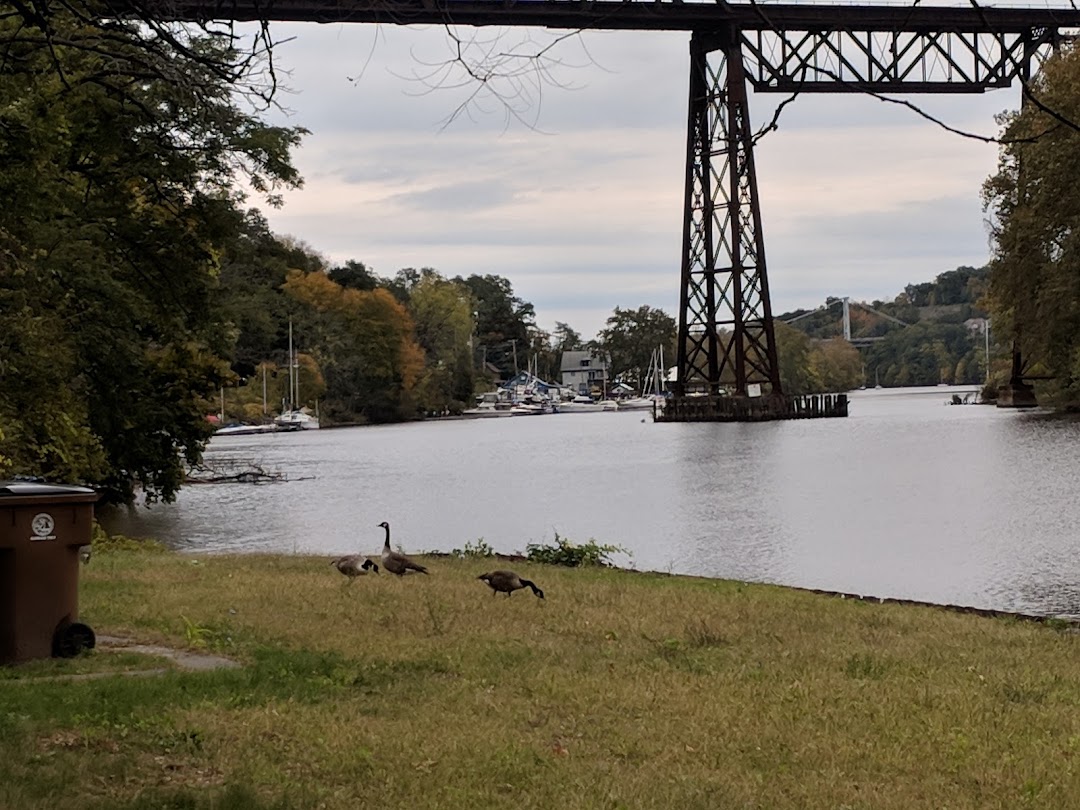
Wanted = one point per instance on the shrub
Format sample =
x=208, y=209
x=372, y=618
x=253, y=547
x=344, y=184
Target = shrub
x=564, y=552
x=104, y=543
x=477, y=549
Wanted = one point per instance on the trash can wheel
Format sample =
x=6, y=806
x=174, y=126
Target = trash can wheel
x=71, y=638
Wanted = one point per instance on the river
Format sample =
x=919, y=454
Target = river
x=908, y=497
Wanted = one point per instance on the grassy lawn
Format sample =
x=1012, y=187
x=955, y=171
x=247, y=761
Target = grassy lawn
x=620, y=690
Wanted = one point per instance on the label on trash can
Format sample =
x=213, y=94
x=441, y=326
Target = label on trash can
x=42, y=525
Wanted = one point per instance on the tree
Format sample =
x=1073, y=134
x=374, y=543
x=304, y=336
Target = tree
x=798, y=374
x=1035, y=201
x=364, y=345
x=355, y=276
x=630, y=338
x=566, y=339
x=401, y=285
x=119, y=160
x=502, y=322
x=443, y=314
x=837, y=365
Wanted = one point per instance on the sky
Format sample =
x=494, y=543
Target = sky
x=579, y=201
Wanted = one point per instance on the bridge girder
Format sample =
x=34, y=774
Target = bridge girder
x=641, y=15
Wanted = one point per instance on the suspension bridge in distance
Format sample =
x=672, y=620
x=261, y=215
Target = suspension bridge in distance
x=845, y=320
x=727, y=367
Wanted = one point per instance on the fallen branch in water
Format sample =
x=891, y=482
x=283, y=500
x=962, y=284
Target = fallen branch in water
x=233, y=472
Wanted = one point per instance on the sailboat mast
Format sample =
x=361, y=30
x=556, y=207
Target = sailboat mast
x=292, y=383
x=661, y=373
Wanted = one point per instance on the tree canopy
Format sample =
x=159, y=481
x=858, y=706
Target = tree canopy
x=630, y=338
x=119, y=160
x=1035, y=201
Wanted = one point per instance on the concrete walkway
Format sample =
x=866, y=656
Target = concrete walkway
x=183, y=659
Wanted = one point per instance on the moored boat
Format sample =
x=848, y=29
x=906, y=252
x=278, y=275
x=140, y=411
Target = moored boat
x=584, y=404
x=245, y=430
x=296, y=420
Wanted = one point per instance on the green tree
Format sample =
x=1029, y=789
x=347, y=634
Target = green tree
x=502, y=322
x=1035, y=201
x=443, y=314
x=355, y=275
x=566, y=339
x=837, y=365
x=630, y=338
x=798, y=375
x=119, y=160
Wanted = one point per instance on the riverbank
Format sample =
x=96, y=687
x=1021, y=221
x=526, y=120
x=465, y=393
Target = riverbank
x=618, y=690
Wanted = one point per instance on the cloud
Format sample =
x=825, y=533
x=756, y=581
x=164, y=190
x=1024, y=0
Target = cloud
x=584, y=212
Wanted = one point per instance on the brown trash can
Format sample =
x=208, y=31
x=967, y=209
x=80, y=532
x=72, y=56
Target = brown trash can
x=41, y=529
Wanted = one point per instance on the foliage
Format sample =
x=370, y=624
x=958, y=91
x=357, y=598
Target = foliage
x=837, y=365
x=808, y=366
x=566, y=553
x=630, y=338
x=442, y=312
x=964, y=285
x=119, y=159
x=364, y=345
x=355, y=275
x=104, y=543
x=479, y=548
x=945, y=341
x=927, y=354
x=1035, y=201
x=566, y=339
x=798, y=375
x=502, y=322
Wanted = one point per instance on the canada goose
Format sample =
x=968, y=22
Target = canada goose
x=394, y=562
x=507, y=582
x=354, y=565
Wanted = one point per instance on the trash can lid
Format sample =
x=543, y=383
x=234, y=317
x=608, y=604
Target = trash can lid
x=40, y=488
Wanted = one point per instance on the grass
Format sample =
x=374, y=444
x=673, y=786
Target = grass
x=620, y=690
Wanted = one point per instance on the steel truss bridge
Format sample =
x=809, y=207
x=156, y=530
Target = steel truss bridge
x=726, y=346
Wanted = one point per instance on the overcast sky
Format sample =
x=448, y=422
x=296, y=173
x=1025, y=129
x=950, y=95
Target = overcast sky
x=582, y=211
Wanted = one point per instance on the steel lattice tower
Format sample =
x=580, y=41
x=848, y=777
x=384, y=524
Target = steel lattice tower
x=725, y=325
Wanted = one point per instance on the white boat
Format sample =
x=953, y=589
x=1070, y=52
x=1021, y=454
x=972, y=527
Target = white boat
x=489, y=404
x=296, y=420
x=636, y=404
x=533, y=406
x=485, y=410
x=245, y=430
x=585, y=404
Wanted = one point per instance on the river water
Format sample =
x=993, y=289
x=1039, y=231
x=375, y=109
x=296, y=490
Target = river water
x=907, y=497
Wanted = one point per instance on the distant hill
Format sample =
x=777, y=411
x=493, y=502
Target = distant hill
x=942, y=342
x=952, y=298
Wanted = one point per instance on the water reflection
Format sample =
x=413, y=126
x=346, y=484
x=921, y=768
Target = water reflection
x=906, y=498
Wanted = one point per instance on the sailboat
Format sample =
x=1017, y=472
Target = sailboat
x=293, y=417
x=654, y=379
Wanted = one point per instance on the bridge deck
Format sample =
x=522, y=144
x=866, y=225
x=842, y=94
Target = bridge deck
x=657, y=15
